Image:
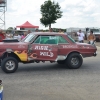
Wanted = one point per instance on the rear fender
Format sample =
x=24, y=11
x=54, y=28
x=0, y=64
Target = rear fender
x=74, y=52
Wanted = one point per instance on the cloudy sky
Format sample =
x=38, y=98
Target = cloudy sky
x=76, y=13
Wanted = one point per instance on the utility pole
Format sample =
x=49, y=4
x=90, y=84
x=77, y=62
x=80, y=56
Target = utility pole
x=3, y=9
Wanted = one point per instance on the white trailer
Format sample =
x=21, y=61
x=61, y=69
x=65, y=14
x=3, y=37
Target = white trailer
x=96, y=32
x=73, y=32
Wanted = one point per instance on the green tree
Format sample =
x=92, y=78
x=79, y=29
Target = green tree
x=10, y=28
x=50, y=13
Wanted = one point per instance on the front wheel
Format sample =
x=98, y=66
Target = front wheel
x=9, y=65
x=74, y=61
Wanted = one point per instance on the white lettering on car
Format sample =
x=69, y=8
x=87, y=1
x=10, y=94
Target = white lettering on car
x=50, y=54
x=70, y=46
x=21, y=46
x=41, y=47
x=36, y=47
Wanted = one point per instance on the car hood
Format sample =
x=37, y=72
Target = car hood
x=13, y=45
x=86, y=45
x=82, y=43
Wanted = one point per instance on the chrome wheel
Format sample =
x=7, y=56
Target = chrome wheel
x=10, y=65
x=75, y=61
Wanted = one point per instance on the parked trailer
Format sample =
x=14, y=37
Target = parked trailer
x=96, y=32
x=73, y=32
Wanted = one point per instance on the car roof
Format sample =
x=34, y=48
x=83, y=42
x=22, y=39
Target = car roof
x=47, y=33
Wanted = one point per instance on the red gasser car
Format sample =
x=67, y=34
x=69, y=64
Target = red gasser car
x=41, y=46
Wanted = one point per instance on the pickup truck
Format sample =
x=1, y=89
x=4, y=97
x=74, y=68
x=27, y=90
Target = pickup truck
x=44, y=46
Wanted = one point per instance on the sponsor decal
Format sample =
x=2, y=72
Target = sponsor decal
x=69, y=46
x=41, y=47
x=86, y=47
x=33, y=55
x=21, y=46
x=21, y=54
x=49, y=54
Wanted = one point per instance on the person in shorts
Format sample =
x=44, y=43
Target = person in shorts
x=80, y=35
x=91, y=38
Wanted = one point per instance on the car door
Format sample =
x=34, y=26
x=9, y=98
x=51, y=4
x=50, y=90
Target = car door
x=64, y=46
x=44, y=49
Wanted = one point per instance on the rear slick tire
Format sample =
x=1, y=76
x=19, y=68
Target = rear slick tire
x=74, y=61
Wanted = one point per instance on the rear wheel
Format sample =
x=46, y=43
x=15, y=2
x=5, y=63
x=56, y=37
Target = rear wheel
x=74, y=61
x=9, y=65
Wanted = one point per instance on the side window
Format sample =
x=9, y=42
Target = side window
x=37, y=39
x=52, y=40
x=44, y=39
x=61, y=40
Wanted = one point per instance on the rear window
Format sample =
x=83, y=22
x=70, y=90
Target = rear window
x=71, y=39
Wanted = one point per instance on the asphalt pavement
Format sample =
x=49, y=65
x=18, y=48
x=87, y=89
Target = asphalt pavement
x=50, y=81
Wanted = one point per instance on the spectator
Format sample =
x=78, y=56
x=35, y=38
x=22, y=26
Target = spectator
x=91, y=37
x=23, y=36
x=50, y=30
x=36, y=30
x=28, y=31
x=1, y=31
x=60, y=31
x=19, y=37
x=16, y=36
x=2, y=35
x=8, y=36
x=80, y=36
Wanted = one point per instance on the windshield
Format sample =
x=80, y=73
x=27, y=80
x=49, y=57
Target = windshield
x=29, y=38
x=71, y=39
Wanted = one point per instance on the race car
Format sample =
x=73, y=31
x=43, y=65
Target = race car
x=44, y=46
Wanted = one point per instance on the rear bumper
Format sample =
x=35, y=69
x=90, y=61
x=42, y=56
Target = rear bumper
x=95, y=54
